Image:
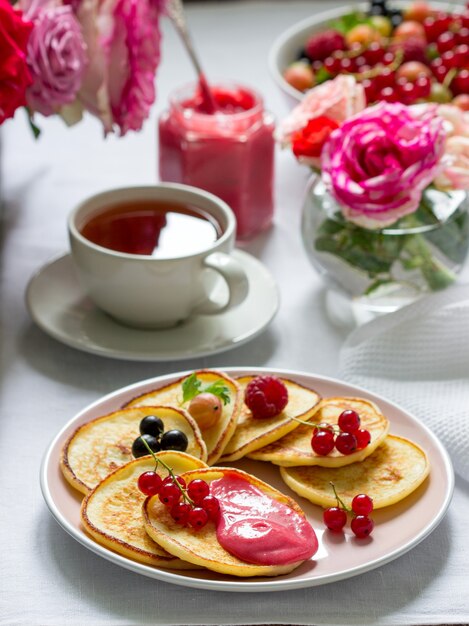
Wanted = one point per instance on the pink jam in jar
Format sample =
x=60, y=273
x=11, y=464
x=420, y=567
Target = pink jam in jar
x=229, y=153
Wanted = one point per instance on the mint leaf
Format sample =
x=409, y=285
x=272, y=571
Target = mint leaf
x=191, y=388
x=218, y=388
x=345, y=23
x=322, y=75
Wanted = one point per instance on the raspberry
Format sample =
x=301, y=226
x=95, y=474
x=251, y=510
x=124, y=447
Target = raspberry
x=320, y=46
x=266, y=396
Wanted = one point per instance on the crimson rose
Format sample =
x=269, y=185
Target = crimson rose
x=14, y=73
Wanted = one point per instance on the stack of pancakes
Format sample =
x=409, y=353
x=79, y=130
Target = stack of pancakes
x=98, y=462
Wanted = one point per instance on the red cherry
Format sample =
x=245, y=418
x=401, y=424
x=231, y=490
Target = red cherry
x=346, y=443
x=149, y=483
x=362, y=504
x=197, y=490
x=362, y=526
x=322, y=442
x=349, y=421
x=335, y=518
x=197, y=517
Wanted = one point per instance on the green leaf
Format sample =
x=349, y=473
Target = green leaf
x=190, y=388
x=375, y=285
x=35, y=129
x=218, y=388
x=322, y=75
x=346, y=22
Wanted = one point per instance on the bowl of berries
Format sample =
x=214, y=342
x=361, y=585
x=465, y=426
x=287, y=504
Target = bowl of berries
x=406, y=52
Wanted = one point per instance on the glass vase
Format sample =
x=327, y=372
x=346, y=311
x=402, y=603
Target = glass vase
x=372, y=272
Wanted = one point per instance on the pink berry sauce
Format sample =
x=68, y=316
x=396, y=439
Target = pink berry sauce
x=258, y=529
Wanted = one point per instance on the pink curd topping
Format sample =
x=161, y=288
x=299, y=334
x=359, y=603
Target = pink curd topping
x=258, y=529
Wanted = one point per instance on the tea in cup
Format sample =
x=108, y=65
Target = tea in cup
x=153, y=256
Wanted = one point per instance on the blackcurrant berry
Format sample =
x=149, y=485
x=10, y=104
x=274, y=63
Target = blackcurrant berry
x=174, y=440
x=139, y=449
x=152, y=425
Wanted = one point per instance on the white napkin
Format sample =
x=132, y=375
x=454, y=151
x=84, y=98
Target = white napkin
x=419, y=358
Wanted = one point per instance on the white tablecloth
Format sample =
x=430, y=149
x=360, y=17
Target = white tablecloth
x=47, y=578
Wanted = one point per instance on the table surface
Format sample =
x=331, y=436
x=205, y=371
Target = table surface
x=47, y=577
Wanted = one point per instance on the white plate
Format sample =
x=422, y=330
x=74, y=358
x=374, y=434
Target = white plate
x=59, y=306
x=285, y=48
x=397, y=528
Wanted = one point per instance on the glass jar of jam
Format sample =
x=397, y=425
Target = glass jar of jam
x=229, y=153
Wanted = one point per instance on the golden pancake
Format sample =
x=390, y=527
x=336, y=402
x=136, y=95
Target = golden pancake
x=105, y=443
x=215, y=437
x=201, y=547
x=295, y=448
x=394, y=470
x=252, y=434
x=112, y=512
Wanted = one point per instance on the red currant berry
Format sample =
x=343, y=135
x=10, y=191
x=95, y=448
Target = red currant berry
x=180, y=512
x=460, y=84
x=362, y=526
x=149, y=483
x=323, y=426
x=374, y=53
x=197, y=517
x=349, y=421
x=388, y=94
x=322, y=442
x=266, y=396
x=211, y=505
x=446, y=41
x=346, y=443
x=362, y=504
x=363, y=438
x=169, y=494
x=169, y=480
x=335, y=518
x=197, y=490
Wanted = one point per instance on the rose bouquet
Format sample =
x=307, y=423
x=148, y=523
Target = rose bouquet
x=69, y=56
x=388, y=206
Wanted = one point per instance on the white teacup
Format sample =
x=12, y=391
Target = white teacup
x=149, y=292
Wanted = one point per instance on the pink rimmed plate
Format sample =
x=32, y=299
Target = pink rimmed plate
x=398, y=528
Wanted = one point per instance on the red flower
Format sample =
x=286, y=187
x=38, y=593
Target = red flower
x=308, y=142
x=14, y=73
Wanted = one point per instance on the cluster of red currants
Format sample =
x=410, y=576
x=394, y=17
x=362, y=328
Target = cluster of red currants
x=362, y=525
x=189, y=505
x=349, y=438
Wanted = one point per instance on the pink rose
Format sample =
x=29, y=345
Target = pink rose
x=455, y=174
x=378, y=163
x=336, y=99
x=57, y=57
x=123, y=37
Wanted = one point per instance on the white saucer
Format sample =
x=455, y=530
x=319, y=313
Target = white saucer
x=60, y=307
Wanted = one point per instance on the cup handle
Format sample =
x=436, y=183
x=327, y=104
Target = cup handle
x=234, y=275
